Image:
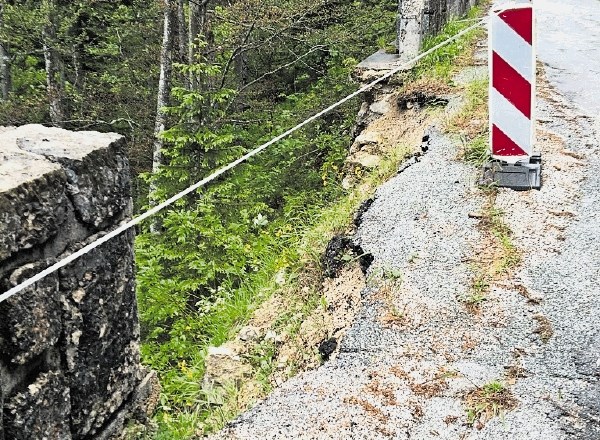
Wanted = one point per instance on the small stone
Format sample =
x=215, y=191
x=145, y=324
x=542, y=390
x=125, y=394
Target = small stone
x=282, y=362
x=221, y=351
x=477, y=215
x=563, y=213
x=271, y=336
x=368, y=137
x=380, y=107
x=347, y=182
x=280, y=278
x=248, y=333
x=572, y=154
x=224, y=366
x=365, y=160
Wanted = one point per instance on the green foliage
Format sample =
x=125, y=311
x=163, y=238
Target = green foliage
x=442, y=63
x=477, y=150
x=220, y=249
x=261, y=358
x=108, y=58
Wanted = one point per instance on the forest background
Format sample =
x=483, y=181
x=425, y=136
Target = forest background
x=193, y=85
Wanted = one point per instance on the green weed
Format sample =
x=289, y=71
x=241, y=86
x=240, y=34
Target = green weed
x=444, y=62
x=488, y=401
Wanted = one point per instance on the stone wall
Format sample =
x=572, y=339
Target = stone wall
x=69, y=363
x=418, y=19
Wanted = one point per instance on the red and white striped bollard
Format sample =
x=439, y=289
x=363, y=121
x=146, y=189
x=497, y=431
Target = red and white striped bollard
x=512, y=97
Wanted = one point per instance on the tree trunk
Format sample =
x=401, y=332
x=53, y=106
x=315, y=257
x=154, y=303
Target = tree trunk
x=182, y=35
x=164, y=92
x=241, y=67
x=194, y=30
x=182, y=31
x=199, y=34
x=5, y=77
x=54, y=75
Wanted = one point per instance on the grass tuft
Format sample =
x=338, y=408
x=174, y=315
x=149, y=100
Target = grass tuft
x=489, y=401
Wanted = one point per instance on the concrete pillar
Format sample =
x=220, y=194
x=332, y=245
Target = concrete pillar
x=418, y=19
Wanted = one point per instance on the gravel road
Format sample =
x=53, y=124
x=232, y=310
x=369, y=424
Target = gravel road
x=414, y=354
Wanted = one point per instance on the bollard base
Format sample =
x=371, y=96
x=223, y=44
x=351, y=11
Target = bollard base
x=522, y=176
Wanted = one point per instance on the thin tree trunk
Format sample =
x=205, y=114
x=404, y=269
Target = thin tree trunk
x=182, y=31
x=199, y=33
x=164, y=91
x=194, y=31
x=5, y=76
x=241, y=65
x=182, y=35
x=54, y=76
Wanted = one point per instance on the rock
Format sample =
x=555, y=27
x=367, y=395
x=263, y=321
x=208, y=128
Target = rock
x=41, y=411
x=363, y=117
x=348, y=182
x=476, y=215
x=368, y=137
x=90, y=168
x=271, y=336
x=280, y=277
x=224, y=367
x=364, y=160
x=248, y=333
x=380, y=107
x=327, y=347
x=75, y=334
x=367, y=115
x=572, y=154
x=221, y=352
